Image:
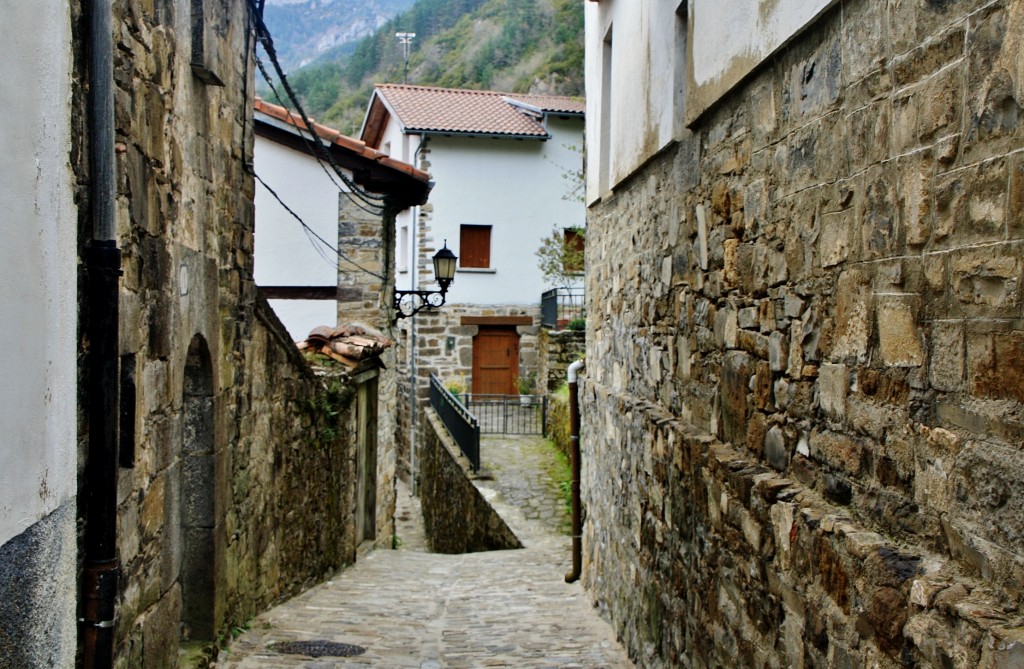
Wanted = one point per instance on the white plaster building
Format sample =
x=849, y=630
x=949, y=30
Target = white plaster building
x=297, y=268
x=504, y=167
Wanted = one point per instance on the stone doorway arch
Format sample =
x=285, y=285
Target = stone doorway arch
x=197, y=517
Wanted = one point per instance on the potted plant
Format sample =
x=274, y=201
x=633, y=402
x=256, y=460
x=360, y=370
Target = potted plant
x=525, y=385
x=457, y=387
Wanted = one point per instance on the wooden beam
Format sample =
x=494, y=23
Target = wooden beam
x=310, y=293
x=497, y=320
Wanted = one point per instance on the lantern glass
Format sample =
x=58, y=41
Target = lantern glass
x=444, y=265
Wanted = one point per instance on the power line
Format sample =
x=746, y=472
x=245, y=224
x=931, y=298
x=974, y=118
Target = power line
x=311, y=232
x=318, y=150
x=369, y=208
x=264, y=37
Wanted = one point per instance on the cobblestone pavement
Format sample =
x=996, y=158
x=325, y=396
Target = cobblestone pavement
x=411, y=608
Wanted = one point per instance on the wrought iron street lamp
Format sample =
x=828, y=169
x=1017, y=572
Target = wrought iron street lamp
x=416, y=300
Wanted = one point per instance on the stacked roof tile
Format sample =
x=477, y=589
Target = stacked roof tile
x=351, y=345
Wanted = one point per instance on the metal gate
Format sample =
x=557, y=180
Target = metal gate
x=509, y=414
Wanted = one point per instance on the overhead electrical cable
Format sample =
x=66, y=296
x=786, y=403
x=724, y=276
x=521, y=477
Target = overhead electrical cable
x=311, y=144
x=310, y=231
x=265, y=39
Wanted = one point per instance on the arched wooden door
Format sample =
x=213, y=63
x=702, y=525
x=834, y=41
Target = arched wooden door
x=495, y=360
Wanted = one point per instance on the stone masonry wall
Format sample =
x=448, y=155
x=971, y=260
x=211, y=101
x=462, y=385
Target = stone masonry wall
x=456, y=517
x=230, y=425
x=289, y=520
x=558, y=350
x=802, y=411
x=453, y=363
x=366, y=240
x=360, y=271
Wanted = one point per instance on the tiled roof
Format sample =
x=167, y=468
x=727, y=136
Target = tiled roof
x=351, y=144
x=351, y=345
x=551, y=104
x=460, y=111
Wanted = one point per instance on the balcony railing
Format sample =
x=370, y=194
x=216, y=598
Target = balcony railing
x=559, y=306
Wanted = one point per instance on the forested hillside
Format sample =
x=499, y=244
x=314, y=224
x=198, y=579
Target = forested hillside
x=306, y=30
x=519, y=46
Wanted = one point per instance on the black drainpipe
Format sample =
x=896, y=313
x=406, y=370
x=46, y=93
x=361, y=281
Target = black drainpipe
x=574, y=463
x=103, y=267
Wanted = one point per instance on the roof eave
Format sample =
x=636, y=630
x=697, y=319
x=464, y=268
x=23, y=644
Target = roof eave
x=470, y=133
x=404, y=185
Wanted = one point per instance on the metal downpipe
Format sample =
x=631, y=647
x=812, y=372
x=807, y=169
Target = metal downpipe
x=574, y=463
x=101, y=570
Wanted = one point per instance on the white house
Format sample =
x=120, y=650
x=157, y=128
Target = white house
x=506, y=167
x=318, y=251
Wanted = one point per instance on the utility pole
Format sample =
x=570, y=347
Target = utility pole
x=405, y=39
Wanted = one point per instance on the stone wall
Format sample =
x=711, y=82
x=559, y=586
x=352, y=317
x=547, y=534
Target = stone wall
x=289, y=520
x=237, y=485
x=361, y=241
x=366, y=241
x=558, y=350
x=802, y=412
x=456, y=517
x=444, y=346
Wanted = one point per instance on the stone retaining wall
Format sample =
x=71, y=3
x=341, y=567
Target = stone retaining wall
x=557, y=350
x=803, y=417
x=456, y=517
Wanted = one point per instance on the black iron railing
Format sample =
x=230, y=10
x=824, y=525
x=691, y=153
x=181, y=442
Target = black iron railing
x=461, y=424
x=559, y=306
x=509, y=414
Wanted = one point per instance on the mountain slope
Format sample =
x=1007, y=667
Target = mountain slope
x=306, y=29
x=533, y=46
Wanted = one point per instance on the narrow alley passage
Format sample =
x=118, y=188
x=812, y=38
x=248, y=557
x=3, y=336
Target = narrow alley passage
x=410, y=608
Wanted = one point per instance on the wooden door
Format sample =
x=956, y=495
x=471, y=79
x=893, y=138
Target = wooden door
x=495, y=360
x=366, y=461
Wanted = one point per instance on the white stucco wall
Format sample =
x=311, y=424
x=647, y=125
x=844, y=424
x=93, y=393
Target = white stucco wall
x=37, y=267
x=647, y=75
x=667, y=62
x=515, y=186
x=301, y=316
x=729, y=38
x=284, y=252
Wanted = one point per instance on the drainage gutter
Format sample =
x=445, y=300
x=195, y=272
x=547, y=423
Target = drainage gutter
x=101, y=570
x=574, y=463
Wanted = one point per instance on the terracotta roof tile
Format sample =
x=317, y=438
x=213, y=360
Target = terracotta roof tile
x=344, y=141
x=351, y=345
x=457, y=111
x=552, y=104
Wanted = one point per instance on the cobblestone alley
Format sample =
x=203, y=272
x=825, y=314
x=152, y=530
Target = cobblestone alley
x=410, y=608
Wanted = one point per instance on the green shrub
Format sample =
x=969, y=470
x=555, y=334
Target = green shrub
x=558, y=419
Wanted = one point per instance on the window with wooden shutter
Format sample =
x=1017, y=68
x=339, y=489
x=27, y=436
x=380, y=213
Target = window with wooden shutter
x=475, y=246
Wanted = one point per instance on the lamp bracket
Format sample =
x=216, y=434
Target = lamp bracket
x=416, y=301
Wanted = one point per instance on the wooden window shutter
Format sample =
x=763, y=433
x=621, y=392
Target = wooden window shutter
x=475, y=246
